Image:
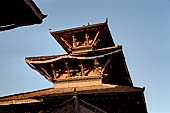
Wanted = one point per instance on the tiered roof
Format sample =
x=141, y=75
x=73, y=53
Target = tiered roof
x=91, y=52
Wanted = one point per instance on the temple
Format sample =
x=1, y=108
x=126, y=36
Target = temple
x=91, y=78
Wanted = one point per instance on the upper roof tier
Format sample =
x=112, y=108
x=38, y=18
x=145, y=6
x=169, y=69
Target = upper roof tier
x=90, y=37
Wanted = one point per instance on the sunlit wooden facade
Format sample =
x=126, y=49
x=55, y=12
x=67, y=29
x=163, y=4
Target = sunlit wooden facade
x=93, y=65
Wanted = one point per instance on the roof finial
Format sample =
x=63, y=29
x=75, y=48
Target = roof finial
x=143, y=89
x=106, y=20
x=74, y=92
x=49, y=30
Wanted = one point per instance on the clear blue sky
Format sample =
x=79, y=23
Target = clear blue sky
x=142, y=27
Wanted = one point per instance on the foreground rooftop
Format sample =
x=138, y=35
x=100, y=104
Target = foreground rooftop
x=17, y=13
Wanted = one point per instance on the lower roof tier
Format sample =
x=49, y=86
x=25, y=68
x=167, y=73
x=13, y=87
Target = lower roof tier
x=50, y=92
x=120, y=99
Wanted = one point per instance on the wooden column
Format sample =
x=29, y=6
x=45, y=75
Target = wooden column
x=74, y=41
x=87, y=39
x=68, y=71
x=82, y=69
x=53, y=71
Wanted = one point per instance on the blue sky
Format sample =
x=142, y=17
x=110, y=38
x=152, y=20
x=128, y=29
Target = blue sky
x=142, y=27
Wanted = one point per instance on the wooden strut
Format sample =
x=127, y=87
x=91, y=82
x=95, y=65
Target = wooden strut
x=97, y=34
x=68, y=71
x=66, y=42
x=53, y=71
x=46, y=72
x=106, y=64
x=38, y=71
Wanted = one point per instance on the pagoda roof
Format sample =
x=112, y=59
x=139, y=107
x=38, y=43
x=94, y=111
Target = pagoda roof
x=94, y=36
x=17, y=13
x=100, y=97
x=107, y=57
x=50, y=92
